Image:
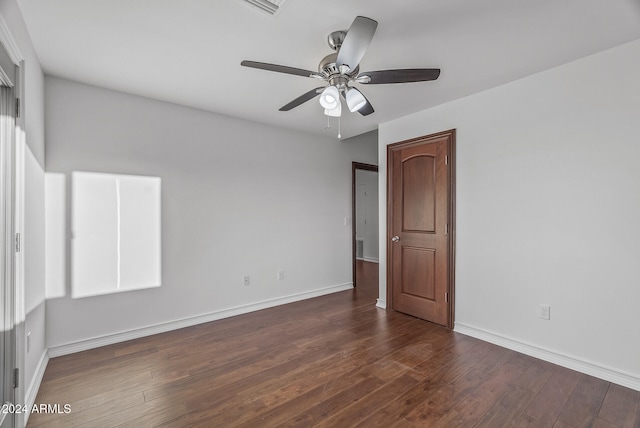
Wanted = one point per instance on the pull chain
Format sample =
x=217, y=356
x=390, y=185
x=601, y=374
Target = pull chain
x=339, y=136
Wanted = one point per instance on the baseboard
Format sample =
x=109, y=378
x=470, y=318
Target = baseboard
x=34, y=385
x=381, y=303
x=607, y=373
x=368, y=259
x=83, y=345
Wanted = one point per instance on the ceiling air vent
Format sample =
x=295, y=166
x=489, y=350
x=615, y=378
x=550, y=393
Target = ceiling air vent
x=270, y=6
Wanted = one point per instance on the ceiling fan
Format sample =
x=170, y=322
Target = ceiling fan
x=341, y=70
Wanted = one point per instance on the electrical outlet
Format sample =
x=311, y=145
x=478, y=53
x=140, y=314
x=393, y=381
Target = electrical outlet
x=544, y=312
x=280, y=275
x=247, y=280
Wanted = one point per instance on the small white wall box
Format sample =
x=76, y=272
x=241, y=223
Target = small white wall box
x=115, y=230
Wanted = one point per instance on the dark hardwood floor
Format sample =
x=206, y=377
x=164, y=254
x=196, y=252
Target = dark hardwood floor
x=332, y=361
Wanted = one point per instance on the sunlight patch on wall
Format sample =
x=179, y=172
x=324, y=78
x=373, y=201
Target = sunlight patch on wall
x=115, y=233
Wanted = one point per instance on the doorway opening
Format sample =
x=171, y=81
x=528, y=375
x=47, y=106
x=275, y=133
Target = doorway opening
x=364, y=231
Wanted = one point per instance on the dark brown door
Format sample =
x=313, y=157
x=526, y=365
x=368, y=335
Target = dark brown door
x=421, y=227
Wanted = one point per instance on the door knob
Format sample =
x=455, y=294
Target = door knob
x=395, y=238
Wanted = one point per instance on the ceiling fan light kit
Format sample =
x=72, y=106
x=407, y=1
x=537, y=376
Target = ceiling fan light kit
x=355, y=100
x=334, y=112
x=341, y=70
x=330, y=98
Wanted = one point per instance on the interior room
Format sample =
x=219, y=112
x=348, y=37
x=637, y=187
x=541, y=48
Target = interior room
x=202, y=223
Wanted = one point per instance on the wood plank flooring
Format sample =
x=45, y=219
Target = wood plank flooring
x=333, y=361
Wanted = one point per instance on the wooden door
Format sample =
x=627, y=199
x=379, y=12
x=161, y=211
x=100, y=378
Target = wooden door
x=420, y=227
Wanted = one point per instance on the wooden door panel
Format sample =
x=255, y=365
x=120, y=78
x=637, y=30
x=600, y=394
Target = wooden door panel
x=418, y=198
x=418, y=272
x=419, y=216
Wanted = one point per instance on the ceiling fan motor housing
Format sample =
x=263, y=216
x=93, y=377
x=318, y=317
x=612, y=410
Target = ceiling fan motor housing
x=331, y=71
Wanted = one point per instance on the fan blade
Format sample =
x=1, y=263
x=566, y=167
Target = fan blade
x=356, y=42
x=302, y=99
x=406, y=75
x=280, y=68
x=367, y=109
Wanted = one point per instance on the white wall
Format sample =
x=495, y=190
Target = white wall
x=367, y=211
x=55, y=232
x=33, y=245
x=238, y=199
x=548, y=209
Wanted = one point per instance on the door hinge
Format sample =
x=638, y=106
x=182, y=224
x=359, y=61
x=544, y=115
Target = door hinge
x=17, y=242
x=16, y=377
x=17, y=107
x=446, y=297
x=446, y=229
x=446, y=160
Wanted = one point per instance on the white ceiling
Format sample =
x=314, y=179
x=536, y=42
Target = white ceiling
x=189, y=51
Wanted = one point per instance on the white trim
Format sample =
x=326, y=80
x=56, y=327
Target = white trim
x=19, y=268
x=381, y=303
x=110, y=339
x=9, y=43
x=607, y=373
x=367, y=259
x=36, y=381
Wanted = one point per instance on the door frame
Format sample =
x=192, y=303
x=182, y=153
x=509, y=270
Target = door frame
x=17, y=213
x=8, y=288
x=425, y=139
x=355, y=166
